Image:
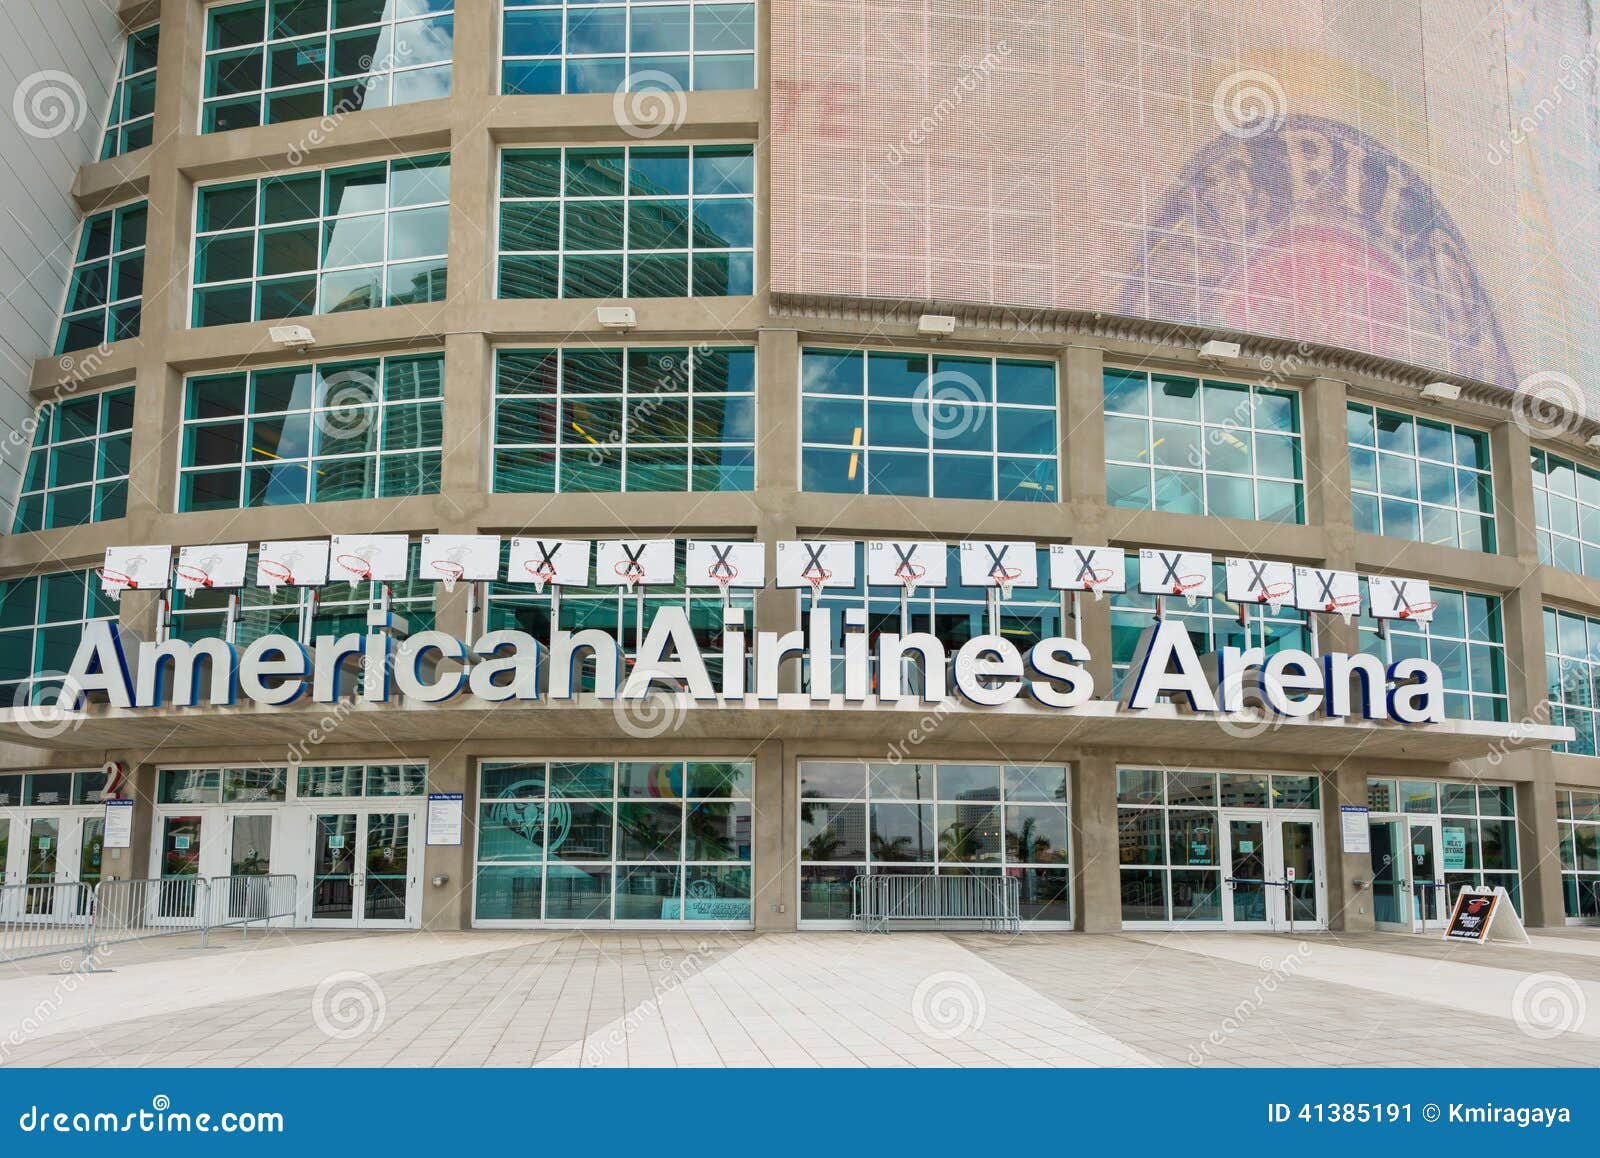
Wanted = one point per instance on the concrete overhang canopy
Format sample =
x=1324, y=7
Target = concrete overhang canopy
x=1100, y=723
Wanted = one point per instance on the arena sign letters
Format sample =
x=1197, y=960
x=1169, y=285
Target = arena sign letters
x=505, y=667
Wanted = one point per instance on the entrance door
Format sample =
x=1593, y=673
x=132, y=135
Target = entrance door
x=1245, y=890
x=179, y=868
x=249, y=855
x=6, y=875
x=1391, y=894
x=363, y=868
x=50, y=856
x=1275, y=872
x=1426, y=881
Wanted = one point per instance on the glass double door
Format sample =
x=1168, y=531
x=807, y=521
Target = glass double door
x=211, y=844
x=1274, y=872
x=55, y=848
x=364, y=868
x=1408, y=887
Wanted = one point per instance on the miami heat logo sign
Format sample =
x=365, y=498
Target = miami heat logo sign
x=1312, y=227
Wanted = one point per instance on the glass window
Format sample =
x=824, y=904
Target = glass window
x=1476, y=826
x=1202, y=447
x=272, y=61
x=336, y=609
x=1212, y=623
x=1170, y=835
x=299, y=434
x=130, y=121
x=77, y=469
x=322, y=241
x=520, y=606
x=1578, y=825
x=603, y=841
x=1421, y=479
x=954, y=613
x=1566, y=507
x=945, y=819
x=105, y=290
x=656, y=419
x=928, y=426
x=41, y=622
x=644, y=46
x=1572, y=668
x=1464, y=638
x=627, y=222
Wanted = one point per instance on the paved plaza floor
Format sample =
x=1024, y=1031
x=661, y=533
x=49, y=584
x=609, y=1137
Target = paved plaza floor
x=569, y=998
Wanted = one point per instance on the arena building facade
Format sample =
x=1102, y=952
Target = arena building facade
x=1211, y=281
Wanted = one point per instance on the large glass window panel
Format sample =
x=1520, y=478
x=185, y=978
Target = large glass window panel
x=325, y=241
x=940, y=818
x=1420, y=479
x=658, y=419
x=77, y=469
x=332, y=431
x=930, y=426
x=270, y=61
x=41, y=621
x=1198, y=446
x=130, y=120
x=1464, y=638
x=654, y=49
x=600, y=841
x=105, y=287
x=624, y=222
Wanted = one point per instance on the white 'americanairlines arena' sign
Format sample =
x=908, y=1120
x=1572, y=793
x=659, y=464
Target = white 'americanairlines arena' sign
x=506, y=667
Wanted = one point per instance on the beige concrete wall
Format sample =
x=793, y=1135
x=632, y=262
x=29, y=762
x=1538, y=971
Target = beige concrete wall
x=474, y=125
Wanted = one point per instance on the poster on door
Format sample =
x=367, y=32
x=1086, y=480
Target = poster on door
x=1454, y=841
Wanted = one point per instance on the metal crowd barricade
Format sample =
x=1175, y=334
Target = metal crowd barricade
x=37, y=920
x=42, y=919
x=880, y=898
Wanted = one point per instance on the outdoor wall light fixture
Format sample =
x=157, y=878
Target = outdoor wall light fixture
x=1441, y=391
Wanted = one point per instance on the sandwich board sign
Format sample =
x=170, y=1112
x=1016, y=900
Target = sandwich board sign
x=1484, y=915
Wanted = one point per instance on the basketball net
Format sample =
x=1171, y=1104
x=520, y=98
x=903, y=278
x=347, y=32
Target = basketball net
x=276, y=574
x=542, y=574
x=1096, y=581
x=114, y=583
x=450, y=572
x=191, y=578
x=818, y=578
x=356, y=567
x=722, y=574
x=1345, y=607
x=909, y=574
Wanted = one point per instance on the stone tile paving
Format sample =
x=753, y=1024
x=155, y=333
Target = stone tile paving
x=909, y=999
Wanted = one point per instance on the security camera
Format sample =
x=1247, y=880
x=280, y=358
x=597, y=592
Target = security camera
x=296, y=338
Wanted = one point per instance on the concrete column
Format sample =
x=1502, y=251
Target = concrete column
x=449, y=907
x=1522, y=607
x=1539, y=842
x=1349, y=908
x=468, y=431
x=1081, y=402
x=1097, y=883
x=133, y=862
x=1327, y=466
x=775, y=884
x=777, y=474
